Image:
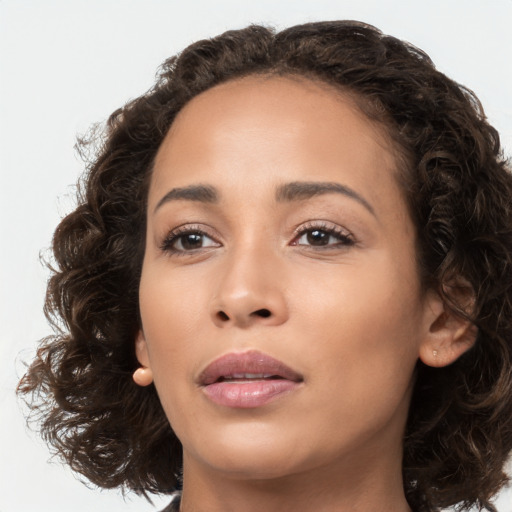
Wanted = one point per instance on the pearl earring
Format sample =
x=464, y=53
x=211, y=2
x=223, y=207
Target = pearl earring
x=434, y=353
x=143, y=376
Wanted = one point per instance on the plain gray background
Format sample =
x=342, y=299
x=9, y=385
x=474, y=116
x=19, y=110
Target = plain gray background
x=67, y=64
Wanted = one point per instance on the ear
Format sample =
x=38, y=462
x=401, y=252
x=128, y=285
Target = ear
x=142, y=376
x=141, y=349
x=448, y=335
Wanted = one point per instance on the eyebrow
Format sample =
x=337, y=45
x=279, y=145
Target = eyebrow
x=293, y=191
x=201, y=193
x=300, y=190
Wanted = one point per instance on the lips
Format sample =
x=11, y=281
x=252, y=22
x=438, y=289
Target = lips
x=248, y=379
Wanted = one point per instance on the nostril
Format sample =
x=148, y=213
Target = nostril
x=222, y=316
x=263, y=313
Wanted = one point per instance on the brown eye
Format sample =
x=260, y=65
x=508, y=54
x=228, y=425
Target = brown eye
x=316, y=237
x=188, y=241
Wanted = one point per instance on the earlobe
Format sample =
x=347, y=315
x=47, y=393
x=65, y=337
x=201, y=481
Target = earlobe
x=141, y=349
x=142, y=376
x=448, y=335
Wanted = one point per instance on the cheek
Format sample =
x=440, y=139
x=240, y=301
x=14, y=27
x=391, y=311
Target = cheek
x=172, y=314
x=171, y=319
x=364, y=324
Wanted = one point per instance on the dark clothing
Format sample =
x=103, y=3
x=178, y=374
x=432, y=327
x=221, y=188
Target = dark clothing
x=174, y=506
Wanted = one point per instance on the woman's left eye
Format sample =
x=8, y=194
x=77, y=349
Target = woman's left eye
x=323, y=237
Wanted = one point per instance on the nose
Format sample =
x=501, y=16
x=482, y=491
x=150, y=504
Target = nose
x=250, y=291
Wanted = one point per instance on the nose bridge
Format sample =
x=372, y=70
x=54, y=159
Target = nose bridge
x=249, y=288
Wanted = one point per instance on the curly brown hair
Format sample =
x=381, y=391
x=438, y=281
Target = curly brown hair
x=459, y=190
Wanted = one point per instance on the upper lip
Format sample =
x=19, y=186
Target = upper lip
x=252, y=362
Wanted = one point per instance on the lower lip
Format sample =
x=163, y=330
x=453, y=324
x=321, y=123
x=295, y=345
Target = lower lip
x=245, y=395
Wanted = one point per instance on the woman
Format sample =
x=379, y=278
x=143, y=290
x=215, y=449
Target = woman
x=298, y=246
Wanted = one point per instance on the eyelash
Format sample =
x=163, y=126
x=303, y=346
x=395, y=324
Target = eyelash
x=344, y=238
x=168, y=244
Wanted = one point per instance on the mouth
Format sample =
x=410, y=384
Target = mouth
x=247, y=380
x=247, y=377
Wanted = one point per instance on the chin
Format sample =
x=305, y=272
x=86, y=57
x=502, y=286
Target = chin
x=242, y=453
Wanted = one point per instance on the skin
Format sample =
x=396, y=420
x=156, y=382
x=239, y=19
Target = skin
x=349, y=316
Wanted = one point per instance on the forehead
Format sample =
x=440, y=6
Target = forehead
x=274, y=101
x=263, y=128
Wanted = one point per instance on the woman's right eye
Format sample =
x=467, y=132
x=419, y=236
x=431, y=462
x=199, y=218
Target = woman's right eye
x=187, y=241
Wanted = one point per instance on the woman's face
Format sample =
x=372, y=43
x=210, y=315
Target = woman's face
x=280, y=249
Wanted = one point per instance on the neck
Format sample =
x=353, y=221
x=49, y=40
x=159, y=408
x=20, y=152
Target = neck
x=362, y=485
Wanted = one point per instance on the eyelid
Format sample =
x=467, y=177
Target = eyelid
x=175, y=233
x=328, y=227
